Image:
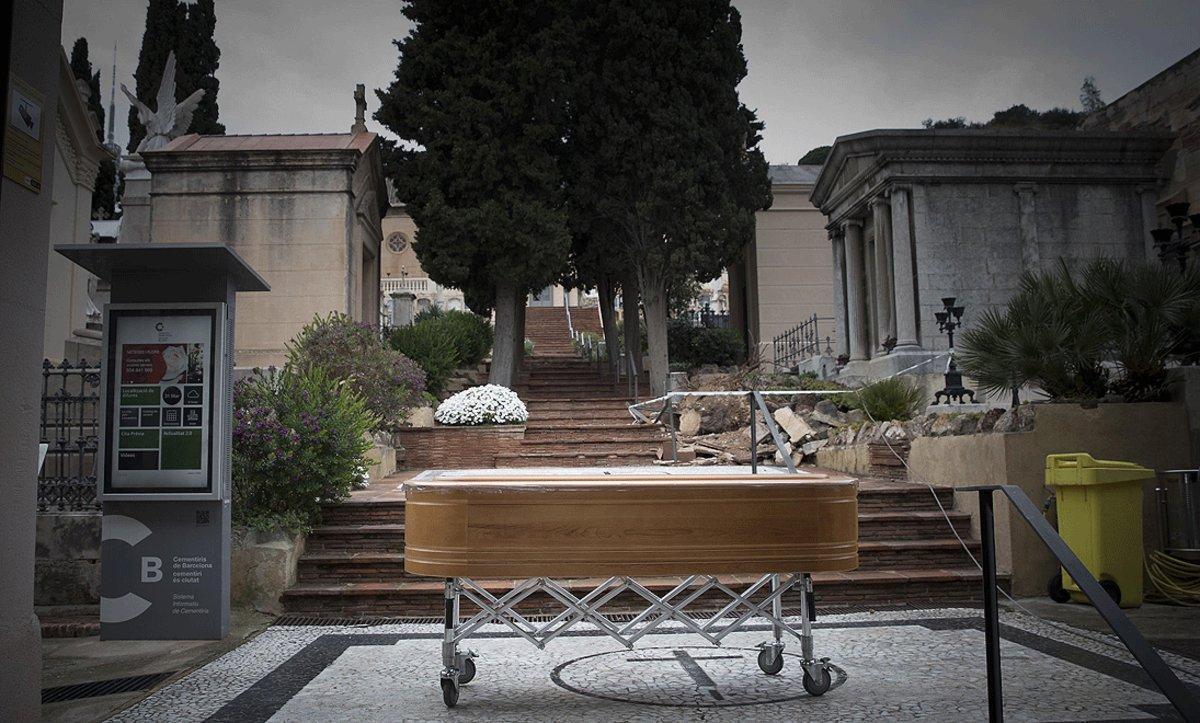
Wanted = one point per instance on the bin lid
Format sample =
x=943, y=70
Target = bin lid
x=1080, y=468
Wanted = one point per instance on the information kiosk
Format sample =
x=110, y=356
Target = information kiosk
x=165, y=433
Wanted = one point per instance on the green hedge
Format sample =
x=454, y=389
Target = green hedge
x=691, y=347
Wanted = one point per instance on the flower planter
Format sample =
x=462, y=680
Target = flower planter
x=458, y=447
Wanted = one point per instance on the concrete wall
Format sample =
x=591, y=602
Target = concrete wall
x=263, y=565
x=1169, y=100
x=793, y=260
x=969, y=243
x=1152, y=435
x=294, y=224
x=25, y=220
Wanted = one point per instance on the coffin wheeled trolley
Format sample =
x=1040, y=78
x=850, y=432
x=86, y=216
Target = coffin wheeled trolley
x=534, y=528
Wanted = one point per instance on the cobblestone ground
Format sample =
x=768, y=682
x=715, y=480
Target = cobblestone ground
x=896, y=666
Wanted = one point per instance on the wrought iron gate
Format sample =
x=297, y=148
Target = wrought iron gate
x=70, y=426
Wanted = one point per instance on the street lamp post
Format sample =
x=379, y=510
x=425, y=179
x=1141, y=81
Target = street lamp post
x=1171, y=242
x=949, y=319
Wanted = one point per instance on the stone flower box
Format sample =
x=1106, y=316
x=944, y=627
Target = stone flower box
x=458, y=447
x=1154, y=435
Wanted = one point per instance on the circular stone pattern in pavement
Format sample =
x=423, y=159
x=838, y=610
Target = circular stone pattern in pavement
x=685, y=677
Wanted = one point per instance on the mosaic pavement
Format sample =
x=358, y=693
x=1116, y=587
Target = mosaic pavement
x=906, y=665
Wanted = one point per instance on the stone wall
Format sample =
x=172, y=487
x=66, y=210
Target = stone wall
x=67, y=569
x=449, y=447
x=1154, y=435
x=262, y=566
x=970, y=242
x=1169, y=100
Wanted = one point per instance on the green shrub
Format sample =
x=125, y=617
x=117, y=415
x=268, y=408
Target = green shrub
x=471, y=334
x=299, y=439
x=429, y=346
x=390, y=383
x=1062, y=335
x=429, y=312
x=695, y=347
x=888, y=399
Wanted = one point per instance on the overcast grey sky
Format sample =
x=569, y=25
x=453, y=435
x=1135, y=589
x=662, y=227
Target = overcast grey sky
x=818, y=69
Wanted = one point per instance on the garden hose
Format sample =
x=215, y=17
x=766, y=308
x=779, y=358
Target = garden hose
x=1176, y=581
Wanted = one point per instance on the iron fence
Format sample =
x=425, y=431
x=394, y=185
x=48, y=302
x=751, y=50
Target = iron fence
x=70, y=428
x=801, y=342
x=706, y=318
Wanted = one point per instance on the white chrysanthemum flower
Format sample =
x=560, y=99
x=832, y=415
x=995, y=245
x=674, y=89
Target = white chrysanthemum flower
x=488, y=404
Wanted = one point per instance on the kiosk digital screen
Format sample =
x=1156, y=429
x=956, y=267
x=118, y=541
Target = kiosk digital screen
x=160, y=388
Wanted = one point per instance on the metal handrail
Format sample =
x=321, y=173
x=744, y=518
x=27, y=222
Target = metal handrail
x=1138, y=646
x=567, y=306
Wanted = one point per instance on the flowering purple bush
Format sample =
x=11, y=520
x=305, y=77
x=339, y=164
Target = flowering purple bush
x=390, y=383
x=299, y=439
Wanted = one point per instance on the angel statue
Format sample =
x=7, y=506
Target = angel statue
x=171, y=119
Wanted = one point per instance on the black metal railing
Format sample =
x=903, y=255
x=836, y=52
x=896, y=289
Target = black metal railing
x=1138, y=646
x=706, y=318
x=70, y=429
x=801, y=342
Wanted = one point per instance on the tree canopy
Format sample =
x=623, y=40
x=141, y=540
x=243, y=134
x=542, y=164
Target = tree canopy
x=815, y=157
x=187, y=29
x=104, y=191
x=478, y=97
x=666, y=173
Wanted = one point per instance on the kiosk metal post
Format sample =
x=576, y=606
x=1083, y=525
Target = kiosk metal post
x=165, y=436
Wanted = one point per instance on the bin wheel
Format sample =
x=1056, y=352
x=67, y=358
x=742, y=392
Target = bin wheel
x=1113, y=590
x=820, y=685
x=767, y=665
x=449, y=693
x=468, y=671
x=1055, y=590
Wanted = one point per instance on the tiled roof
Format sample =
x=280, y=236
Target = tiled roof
x=793, y=174
x=193, y=142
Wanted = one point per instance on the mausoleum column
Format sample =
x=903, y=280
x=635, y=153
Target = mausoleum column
x=1148, y=196
x=884, y=319
x=842, y=336
x=856, y=302
x=903, y=270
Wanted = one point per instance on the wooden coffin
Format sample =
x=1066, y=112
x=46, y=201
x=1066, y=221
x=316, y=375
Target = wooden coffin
x=585, y=526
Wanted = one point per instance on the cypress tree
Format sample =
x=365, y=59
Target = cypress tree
x=103, y=198
x=188, y=30
x=479, y=93
x=199, y=57
x=670, y=161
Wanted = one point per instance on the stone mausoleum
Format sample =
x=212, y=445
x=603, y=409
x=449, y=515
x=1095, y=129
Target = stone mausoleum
x=918, y=215
x=303, y=210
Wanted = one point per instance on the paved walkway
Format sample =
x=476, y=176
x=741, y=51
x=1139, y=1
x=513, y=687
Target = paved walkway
x=898, y=665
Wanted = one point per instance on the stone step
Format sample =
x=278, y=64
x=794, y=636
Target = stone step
x=598, y=434
x=574, y=459
x=901, y=496
x=918, y=554
x=351, y=567
x=381, y=538
x=423, y=597
x=374, y=512
x=911, y=525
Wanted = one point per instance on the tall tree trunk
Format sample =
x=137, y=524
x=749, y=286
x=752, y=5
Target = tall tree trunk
x=654, y=300
x=503, y=371
x=630, y=300
x=608, y=321
x=518, y=335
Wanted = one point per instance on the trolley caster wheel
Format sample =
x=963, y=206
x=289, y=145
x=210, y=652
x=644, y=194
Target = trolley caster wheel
x=1055, y=591
x=768, y=666
x=820, y=685
x=449, y=693
x=467, y=674
x=1113, y=590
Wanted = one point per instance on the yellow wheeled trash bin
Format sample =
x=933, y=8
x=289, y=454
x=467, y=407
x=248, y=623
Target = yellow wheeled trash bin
x=1100, y=517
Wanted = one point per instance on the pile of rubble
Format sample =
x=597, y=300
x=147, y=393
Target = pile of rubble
x=807, y=425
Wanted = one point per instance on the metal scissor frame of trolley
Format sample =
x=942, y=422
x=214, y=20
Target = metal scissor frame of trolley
x=459, y=665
